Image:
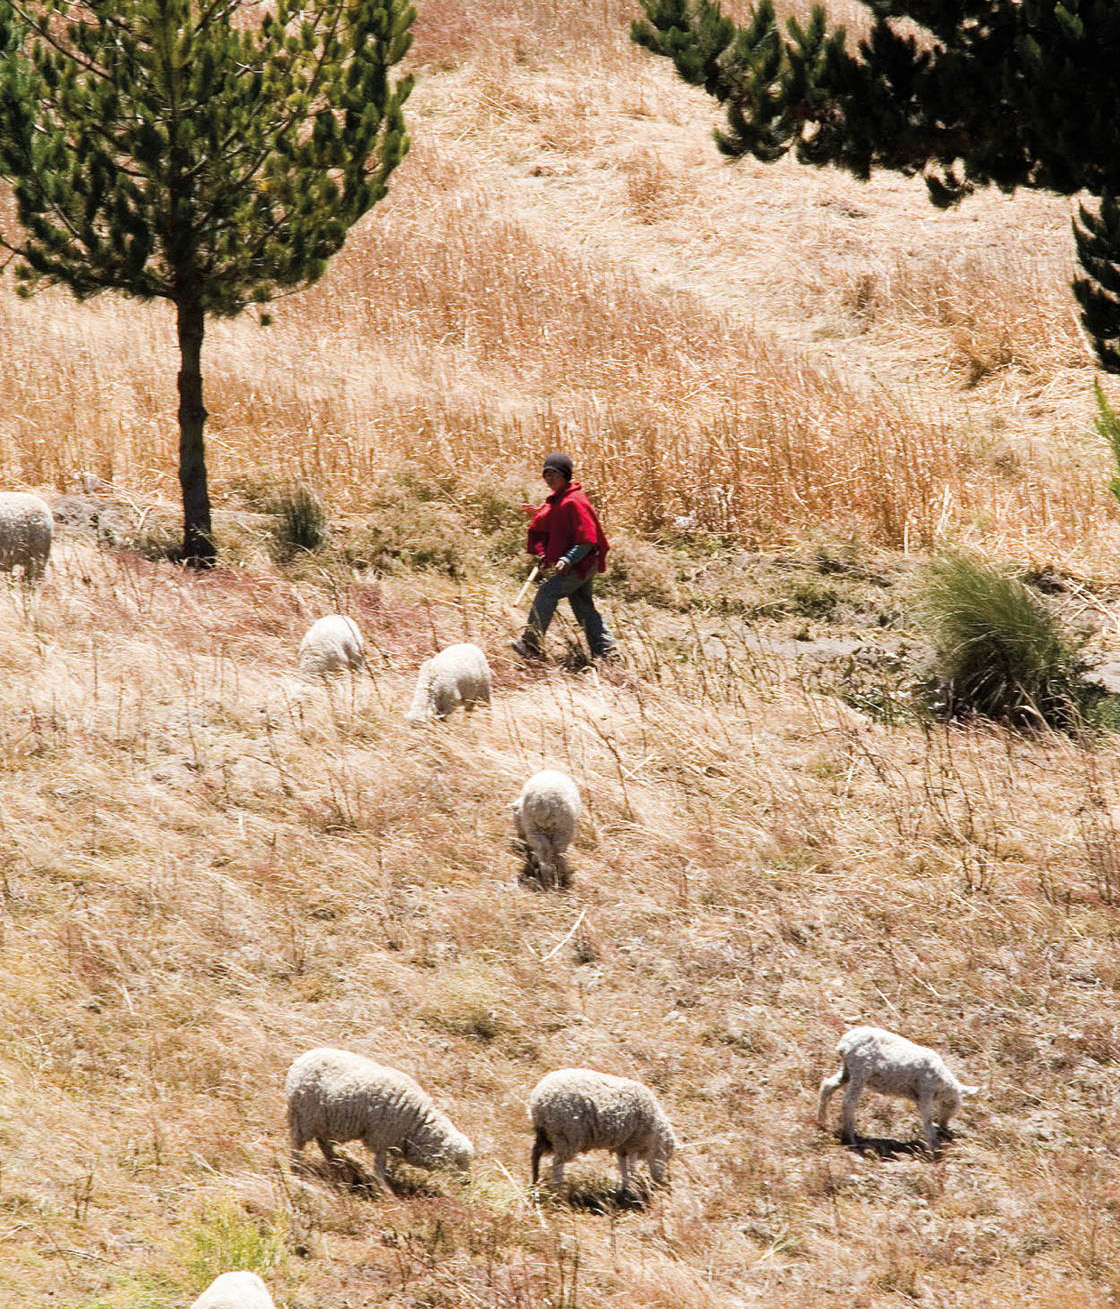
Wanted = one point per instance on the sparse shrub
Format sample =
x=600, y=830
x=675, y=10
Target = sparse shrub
x=999, y=651
x=301, y=523
x=411, y=533
x=223, y=1236
x=814, y=599
x=637, y=570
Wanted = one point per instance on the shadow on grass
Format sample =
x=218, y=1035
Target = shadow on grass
x=886, y=1147
x=348, y=1174
x=601, y=1198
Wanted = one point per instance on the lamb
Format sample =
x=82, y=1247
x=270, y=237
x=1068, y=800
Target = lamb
x=235, y=1291
x=335, y=1096
x=575, y=1110
x=26, y=528
x=458, y=675
x=331, y=645
x=545, y=815
x=895, y=1066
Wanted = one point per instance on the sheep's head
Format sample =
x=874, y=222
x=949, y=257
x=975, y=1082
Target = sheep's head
x=949, y=1097
x=442, y=1147
x=665, y=1143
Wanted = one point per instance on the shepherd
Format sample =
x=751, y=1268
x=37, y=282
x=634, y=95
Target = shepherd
x=568, y=542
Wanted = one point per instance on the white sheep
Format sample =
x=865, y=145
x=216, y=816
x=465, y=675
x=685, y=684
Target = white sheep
x=875, y=1058
x=335, y=1096
x=575, y=1110
x=458, y=675
x=235, y=1291
x=26, y=528
x=331, y=645
x=545, y=815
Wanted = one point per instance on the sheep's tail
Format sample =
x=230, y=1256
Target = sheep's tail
x=540, y=1147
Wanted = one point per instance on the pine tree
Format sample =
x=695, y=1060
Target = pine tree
x=1010, y=93
x=206, y=152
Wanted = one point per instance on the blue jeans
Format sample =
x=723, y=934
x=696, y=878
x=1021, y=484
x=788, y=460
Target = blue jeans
x=577, y=591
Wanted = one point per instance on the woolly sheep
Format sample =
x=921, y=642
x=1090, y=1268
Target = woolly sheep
x=331, y=645
x=458, y=675
x=545, y=815
x=335, y=1096
x=235, y=1291
x=26, y=528
x=575, y=1110
x=875, y=1058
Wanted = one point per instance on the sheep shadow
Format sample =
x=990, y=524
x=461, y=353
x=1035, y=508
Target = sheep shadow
x=529, y=875
x=602, y=1199
x=345, y=1173
x=888, y=1149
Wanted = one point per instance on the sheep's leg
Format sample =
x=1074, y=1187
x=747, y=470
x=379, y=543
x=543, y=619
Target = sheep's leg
x=557, y=1172
x=546, y=873
x=624, y=1169
x=925, y=1108
x=848, y=1113
x=829, y=1087
x=327, y=1147
x=563, y=871
x=540, y=1147
x=379, y=1169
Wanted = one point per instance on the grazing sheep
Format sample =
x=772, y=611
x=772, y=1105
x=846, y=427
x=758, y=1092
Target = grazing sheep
x=235, y=1291
x=26, y=528
x=575, y=1110
x=456, y=676
x=335, y=1096
x=545, y=815
x=895, y=1066
x=332, y=645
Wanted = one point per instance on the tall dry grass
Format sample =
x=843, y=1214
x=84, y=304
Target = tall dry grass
x=512, y=294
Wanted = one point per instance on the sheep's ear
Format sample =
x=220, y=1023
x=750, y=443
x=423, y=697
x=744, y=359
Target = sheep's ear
x=969, y=1090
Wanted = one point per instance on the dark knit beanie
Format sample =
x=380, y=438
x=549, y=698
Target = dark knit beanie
x=560, y=463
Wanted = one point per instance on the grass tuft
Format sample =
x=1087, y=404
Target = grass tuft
x=224, y=1237
x=999, y=651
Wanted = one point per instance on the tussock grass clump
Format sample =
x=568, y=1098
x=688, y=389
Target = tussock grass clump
x=301, y=520
x=999, y=651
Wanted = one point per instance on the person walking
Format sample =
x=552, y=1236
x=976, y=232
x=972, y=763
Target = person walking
x=566, y=537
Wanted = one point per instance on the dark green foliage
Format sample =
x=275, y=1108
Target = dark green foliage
x=210, y=153
x=997, y=92
x=1098, y=250
x=999, y=651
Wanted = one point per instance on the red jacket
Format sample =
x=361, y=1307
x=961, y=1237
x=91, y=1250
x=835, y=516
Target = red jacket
x=565, y=519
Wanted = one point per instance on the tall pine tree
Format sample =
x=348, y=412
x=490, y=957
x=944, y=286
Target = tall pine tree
x=206, y=152
x=1008, y=93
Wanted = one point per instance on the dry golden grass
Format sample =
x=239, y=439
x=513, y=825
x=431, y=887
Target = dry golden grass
x=208, y=867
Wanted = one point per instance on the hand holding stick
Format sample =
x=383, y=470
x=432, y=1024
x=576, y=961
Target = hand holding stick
x=528, y=583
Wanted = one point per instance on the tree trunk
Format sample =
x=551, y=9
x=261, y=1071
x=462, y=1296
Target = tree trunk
x=198, y=540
